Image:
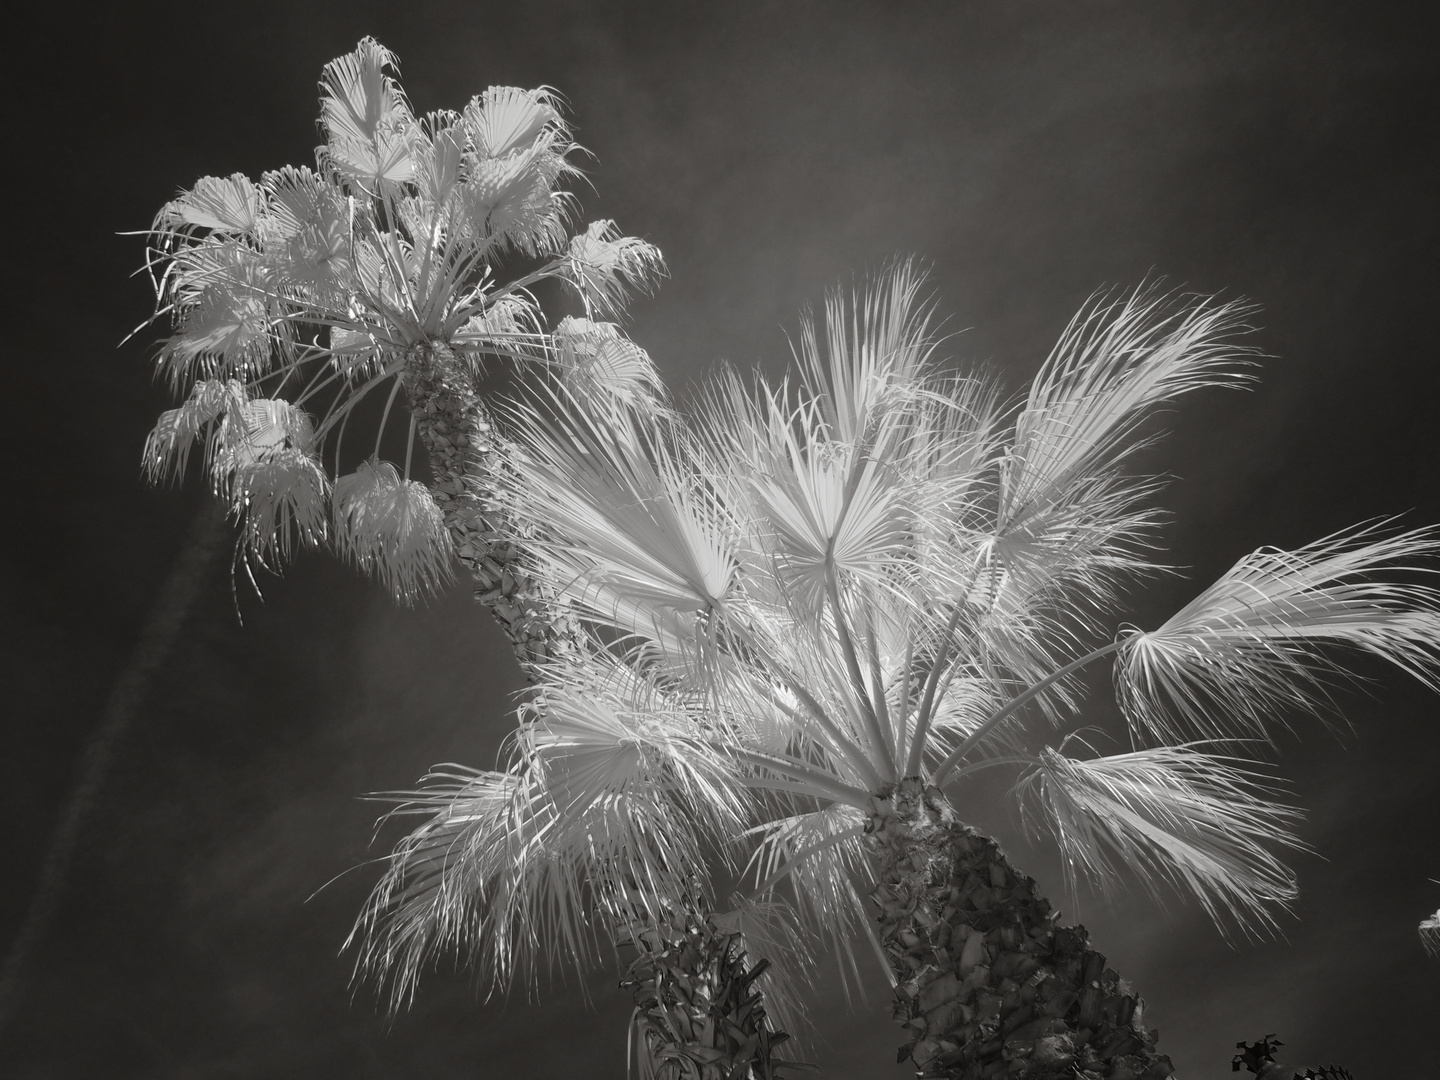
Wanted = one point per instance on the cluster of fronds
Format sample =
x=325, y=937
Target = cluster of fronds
x=874, y=571
x=295, y=297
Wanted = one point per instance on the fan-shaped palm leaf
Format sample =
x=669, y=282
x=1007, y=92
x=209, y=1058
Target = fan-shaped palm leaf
x=623, y=523
x=392, y=528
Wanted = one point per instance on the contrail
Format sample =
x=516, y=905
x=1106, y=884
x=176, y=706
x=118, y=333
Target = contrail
x=168, y=614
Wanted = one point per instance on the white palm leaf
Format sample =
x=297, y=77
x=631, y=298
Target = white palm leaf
x=622, y=522
x=509, y=877
x=280, y=501
x=168, y=446
x=223, y=302
x=366, y=119
x=265, y=467
x=819, y=857
x=1197, y=821
x=506, y=118
x=393, y=529
x=605, y=267
x=832, y=510
x=1255, y=643
x=225, y=205
x=307, y=234
x=596, y=361
x=1116, y=361
x=601, y=727
x=512, y=202
x=967, y=702
x=1430, y=934
x=873, y=340
x=950, y=459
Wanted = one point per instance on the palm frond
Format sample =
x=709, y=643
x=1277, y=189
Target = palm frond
x=393, y=529
x=1201, y=822
x=230, y=205
x=1254, y=643
x=505, y=119
x=832, y=510
x=168, y=446
x=512, y=204
x=597, y=362
x=874, y=339
x=604, y=267
x=365, y=118
x=504, y=874
x=1117, y=360
x=620, y=520
x=819, y=855
x=224, y=305
x=265, y=467
x=600, y=726
x=1430, y=934
x=280, y=500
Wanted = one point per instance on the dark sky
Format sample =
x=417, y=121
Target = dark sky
x=1031, y=152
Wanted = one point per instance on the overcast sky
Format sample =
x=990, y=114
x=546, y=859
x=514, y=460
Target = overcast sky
x=1030, y=152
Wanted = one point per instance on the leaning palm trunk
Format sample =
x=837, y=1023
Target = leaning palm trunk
x=987, y=982
x=466, y=453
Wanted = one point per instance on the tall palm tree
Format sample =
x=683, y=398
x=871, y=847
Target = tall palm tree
x=843, y=595
x=402, y=266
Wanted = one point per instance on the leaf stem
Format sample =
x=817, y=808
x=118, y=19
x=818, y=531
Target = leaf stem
x=954, y=757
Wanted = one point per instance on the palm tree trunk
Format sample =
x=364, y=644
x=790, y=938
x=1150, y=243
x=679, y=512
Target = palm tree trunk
x=691, y=969
x=697, y=1013
x=987, y=983
x=466, y=451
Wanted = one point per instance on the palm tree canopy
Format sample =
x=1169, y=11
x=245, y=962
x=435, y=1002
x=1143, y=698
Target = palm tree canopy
x=872, y=570
x=414, y=238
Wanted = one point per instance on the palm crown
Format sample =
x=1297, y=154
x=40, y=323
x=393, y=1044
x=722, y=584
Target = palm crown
x=868, y=577
x=387, y=260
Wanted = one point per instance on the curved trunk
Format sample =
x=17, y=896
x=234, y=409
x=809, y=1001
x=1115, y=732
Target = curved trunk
x=988, y=983
x=691, y=970
x=465, y=451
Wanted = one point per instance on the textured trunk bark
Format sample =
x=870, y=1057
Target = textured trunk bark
x=466, y=453
x=988, y=984
x=697, y=1014
x=702, y=1008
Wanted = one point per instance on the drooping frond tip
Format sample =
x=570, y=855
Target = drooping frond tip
x=1201, y=822
x=1257, y=642
x=393, y=529
x=514, y=873
x=604, y=267
x=264, y=465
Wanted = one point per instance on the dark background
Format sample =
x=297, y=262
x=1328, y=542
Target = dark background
x=1032, y=152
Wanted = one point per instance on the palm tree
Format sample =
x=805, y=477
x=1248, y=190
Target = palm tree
x=403, y=262
x=402, y=265
x=844, y=594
